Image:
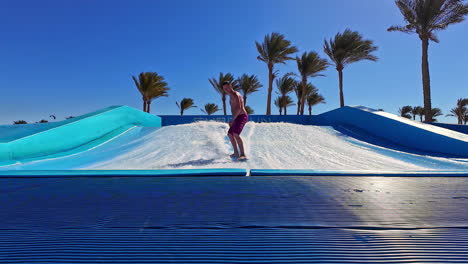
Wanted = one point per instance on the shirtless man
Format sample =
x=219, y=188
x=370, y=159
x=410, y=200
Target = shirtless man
x=239, y=118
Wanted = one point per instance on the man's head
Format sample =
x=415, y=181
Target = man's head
x=227, y=87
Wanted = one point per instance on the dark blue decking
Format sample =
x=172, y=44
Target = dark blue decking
x=261, y=219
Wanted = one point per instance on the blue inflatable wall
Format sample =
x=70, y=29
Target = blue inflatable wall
x=169, y=120
x=395, y=131
x=82, y=132
x=459, y=128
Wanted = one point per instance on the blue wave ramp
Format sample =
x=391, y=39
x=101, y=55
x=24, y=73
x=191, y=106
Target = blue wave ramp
x=71, y=136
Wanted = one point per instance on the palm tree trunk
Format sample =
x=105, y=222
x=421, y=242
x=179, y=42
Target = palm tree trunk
x=310, y=110
x=304, y=84
x=298, y=106
x=270, y=87
x=340, y=77
x=245, y=100
x=224, y=103
x=426, y=80
x=181, y=111
x=285, y=110
x=144, y=105
x=148, y=106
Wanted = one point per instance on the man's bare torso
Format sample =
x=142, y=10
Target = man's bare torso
x=237, y=104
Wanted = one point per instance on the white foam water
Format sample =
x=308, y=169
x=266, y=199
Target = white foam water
x=268, y=146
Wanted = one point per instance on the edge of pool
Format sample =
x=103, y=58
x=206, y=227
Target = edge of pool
x=224, y=172
x=418, y=173
x=120, y=173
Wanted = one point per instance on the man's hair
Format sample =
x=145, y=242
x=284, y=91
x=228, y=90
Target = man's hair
x=226, y=83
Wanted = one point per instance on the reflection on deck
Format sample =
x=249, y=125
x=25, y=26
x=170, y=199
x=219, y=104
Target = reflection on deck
x=277, y=219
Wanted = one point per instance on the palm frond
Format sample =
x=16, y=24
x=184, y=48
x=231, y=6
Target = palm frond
x=151, y=85
x=283, y=101
x=310, y=89
x=249, y=84
x=310, y=64
x=349, y=47
x=218, y=83
x=424, y=17
x=401, y=29
x=249, y=110
x=285, y=84
x=210, y=109
x=19, y=122
x=314, y=99
x=462, y=102
x=460, y=110
x=405, y=111
x=435, y=112
x=275, y=49
x=185, y=104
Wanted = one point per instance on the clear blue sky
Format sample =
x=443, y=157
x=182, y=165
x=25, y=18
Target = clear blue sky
x=70, y=57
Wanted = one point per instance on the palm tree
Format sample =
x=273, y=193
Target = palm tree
x=278, y=104
x=435, y=112
x=249, y=110
x=218, y=86
x=151, y=86
x=283, y=102
x=210, y=109
x=286, y=101
x=285, y=85
x=420, y=112
x=417, y=110
x=310, y=88
x=309, y=65
x=19, y=122
x=274, y=49
x=425, y=17
x=185, y=104
x=298, y=92
x=314, y=99
x=348, y=47
x=405, y=111
x=465, y=119
x=460, y=110
x=248, y=84
x=414, y=112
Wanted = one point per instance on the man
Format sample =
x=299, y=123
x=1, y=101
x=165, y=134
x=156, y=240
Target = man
x=239, y=118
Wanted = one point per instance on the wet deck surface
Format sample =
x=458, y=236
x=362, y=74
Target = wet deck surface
x=277, y=219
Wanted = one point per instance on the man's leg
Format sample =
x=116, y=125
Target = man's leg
x=234, y=146
x=240, y=143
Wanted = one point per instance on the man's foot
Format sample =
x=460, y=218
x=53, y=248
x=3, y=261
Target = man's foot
x=234, y=156
x=242, y=158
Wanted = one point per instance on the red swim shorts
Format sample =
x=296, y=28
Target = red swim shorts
x=238, y=124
